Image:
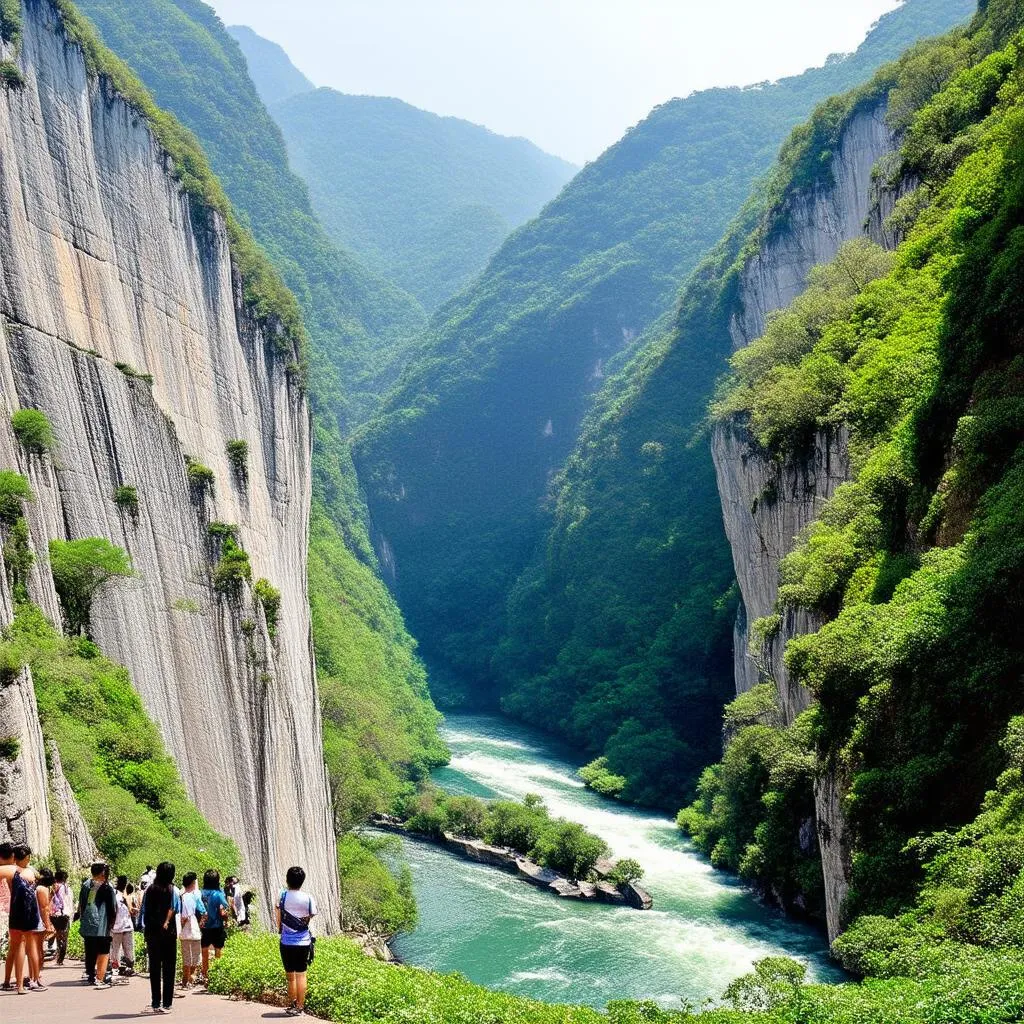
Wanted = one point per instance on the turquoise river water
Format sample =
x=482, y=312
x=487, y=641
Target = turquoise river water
x=704, y=930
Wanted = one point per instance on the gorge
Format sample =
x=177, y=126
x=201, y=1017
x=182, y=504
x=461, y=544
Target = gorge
x=710, y=471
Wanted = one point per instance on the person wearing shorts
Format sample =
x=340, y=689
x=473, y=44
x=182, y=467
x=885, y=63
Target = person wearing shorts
x=122, y=937
x=96, y=913
x=61, y=908
x=294, y=911
x=214, y=930
x=193, y=910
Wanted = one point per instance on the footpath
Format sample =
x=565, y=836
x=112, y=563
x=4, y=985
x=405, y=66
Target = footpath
x=68, y=1001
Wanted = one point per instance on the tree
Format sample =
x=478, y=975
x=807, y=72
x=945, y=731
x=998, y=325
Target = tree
x=625, y=872
x=81, y=568
x=570, y=849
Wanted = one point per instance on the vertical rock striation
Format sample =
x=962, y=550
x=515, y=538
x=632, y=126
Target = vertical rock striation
x=766, y=504
x=110, y=271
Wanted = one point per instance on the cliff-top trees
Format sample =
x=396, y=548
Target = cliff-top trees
x=81, y=568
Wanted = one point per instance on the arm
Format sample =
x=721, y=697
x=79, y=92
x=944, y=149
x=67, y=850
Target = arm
x=43, y=899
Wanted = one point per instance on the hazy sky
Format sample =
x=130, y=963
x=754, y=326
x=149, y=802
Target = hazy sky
x=571, y=75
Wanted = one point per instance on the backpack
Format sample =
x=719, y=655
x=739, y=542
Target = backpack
x=94, y=917
x=24, y=906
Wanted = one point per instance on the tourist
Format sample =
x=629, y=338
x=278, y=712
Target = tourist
x=235, y=895
x=6, y=860
x=122, y=948
x=294, y=911
x=160, y=906
x=44, y=929
x=24, y=915
x=60, y=913
x=134, y=898
x=193, y=910
x=146, y=880
x=96, y=913
x=214, y=929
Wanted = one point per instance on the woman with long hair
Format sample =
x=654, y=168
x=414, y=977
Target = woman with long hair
x=24, y=916
x=160, y=905
x=42, y=930
x=214, y=928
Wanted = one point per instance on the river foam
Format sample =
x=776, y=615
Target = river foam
x=704, y=931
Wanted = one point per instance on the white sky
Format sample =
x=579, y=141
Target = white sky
x=571, y=75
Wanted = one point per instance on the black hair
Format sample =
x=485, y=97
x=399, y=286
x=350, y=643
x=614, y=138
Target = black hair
x=21, y=851
x=295, y=877
x=164, y=874
x=189, y=878
x=211, y=879
x=60, y=876
x=130, y=889
x=100, y=868
x=149, y=867
x=44, y=878
x=122, y=881
x=6, y=851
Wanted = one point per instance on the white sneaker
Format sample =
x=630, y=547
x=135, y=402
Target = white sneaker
x=101, y=984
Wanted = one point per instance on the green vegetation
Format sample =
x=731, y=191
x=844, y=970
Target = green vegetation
x=626, y=872
x=233, y=568
x=376, y=891
x=130, y=371
x=526, y=827
x=10, y=21
x=33, y=431
x=452, y=193
x=345, y=985
x=81, y=569
x=18, y=557
x=597, y=776
x=238, y=456
x=9, y=748
x=185, y=604
x=14, y=492
x=10, y=75
x=126, y=498
x=269, y=598
x=127, y=786
x=595, y=602
x=273, y=74
x=200, y=478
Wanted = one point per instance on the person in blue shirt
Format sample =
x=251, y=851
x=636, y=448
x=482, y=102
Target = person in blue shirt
x=214, y=928
x=160, y=906
x=294, y=910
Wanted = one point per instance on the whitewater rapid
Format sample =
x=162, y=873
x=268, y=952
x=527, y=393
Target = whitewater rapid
x=704, y=931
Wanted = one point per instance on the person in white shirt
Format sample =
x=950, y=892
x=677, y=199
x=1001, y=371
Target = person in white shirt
x=233, y=890
x=192, y=910
x=122, y=935
x=293, y=913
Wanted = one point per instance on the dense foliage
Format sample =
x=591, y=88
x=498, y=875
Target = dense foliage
x=375, y=885
x=916, y=564
x=458, y=464
x=423, y=200
x=126, y=784
x=81, y=569
x=527, y=827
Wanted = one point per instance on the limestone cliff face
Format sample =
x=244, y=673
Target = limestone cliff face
x=106, y=260
x=766, y=504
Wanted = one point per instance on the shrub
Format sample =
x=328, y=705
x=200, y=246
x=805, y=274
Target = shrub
x=232, y=570
x=9, y=748
x=18, y=557
x=376, y=888
x=14, y=491
x=10, y=75
x=200, y=477
x=567, y=847
x=238, y=456
x=270, y=598
x=33, y=431
x=81, y=568
x=126, y=498
x=626, y=871
x=222, y=530
x=11, y=663
x=185, y=604
x=600, y=779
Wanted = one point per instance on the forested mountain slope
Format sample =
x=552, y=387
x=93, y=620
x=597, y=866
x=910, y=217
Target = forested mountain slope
x=458, y=463
x=276, y=78
x=378, y=720
x=424, y=200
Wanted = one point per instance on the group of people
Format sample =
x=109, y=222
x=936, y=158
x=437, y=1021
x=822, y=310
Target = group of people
x=41, y=908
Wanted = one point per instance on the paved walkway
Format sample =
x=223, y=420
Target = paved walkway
x=68, y=1001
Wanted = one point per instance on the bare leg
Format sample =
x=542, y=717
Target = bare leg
x=300, y=989
x=101, y=967
x=293, y=987
x=206, y=963
x=16, y=955
x=35, y=956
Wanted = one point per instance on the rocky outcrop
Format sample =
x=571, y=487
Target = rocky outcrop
x=111, y=275
x=69, y=827
x=629, y=895
x=766, y=504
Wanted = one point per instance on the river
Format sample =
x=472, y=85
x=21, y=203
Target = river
x=704, y=931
